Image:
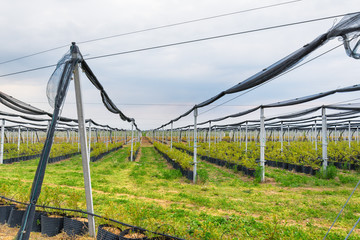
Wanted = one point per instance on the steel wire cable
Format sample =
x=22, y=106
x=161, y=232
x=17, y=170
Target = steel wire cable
x=153, y=28
x=188, y=42
x=342, y=211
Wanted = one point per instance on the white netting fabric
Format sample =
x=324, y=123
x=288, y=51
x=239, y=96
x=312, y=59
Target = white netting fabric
x=54, y=81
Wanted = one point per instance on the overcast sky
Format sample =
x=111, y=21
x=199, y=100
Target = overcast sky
x=158, y=85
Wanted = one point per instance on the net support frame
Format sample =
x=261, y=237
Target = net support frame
x=195, y=145
x=262, y=144
x=132, y=142
x=2, y=141
x=171, y=136
x=324, y=138
x=84, y=151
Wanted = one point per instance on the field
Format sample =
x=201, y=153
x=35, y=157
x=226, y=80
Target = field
x=225, y=204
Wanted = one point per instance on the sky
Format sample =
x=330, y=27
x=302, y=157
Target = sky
x=158, y=85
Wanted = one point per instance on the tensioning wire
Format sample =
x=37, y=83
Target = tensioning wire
x=153, y=28
x=190, y=41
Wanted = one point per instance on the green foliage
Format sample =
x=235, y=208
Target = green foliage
x=203, y=175
x=184, y=159
x=61, y=149
x=330, y=172
x=100, y=147
x=258, y=174
x=11, y=149
x=136, y=147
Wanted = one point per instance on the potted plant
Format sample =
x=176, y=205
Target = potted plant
x=76, y=224
x=5, y=206
x=52, y=223
x=108, y=232
x=133, y=234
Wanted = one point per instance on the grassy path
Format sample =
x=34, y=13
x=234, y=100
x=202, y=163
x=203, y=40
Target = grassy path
x=149, y=193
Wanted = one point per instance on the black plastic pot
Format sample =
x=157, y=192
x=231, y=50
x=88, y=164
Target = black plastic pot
x=102, y=234
x=285, y=165
x=251, y=172
x=307, y=169
x=291, y=166
x=299, y=168
x=15, y=217
x=127, y=231
x=74, y=227
x=338, y=165
x=36, y=227
x=279, y=164
x=51, y=226
x=4, y=213
x=314, y=171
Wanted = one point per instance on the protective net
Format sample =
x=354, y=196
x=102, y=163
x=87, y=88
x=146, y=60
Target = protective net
x=54, y=81
x=348, y=29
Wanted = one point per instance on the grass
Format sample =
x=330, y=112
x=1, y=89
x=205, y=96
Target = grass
x=224, y=205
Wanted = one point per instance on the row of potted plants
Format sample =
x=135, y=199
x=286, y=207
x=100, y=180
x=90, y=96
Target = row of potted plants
x=51, y=224
x=99, y=150
x=250, y=171
x=178, y=159
x=47, y=223
x=136, y=148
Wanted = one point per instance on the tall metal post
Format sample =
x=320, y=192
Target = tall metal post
x=84, y=151
x=195, y=143
x=209, y=134
x=349, y=136
x=163, y=135
x=89, y=138
x=2, y=142
x=288, y=134
x=324, y=138
x=246, y=136
x=262, y=144
x=18, y=143
x=281, y=136
x=27, y=137
x=132, y=141
x=171, y=135
x=315, y=128
x=240, y=136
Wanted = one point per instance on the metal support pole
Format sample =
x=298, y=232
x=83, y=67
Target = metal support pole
x=315, y=128
x=209, y=134
x=2, y=142
x=262, y=144
x=240, y=136
x=171, y=135
x=281, y=136
x=18, y=145
x=132, y=141
x=89, y=138
x=288, y=134
x=246, y=136
x=324, y=138
x=84, y=151
x=163, y=135
x=195, y=143
x=349, y=136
